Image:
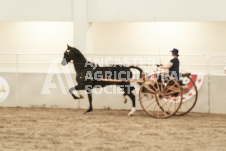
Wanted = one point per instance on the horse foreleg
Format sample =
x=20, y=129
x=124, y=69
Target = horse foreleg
x=124, y=98
x=90, y=103
x=74, y=93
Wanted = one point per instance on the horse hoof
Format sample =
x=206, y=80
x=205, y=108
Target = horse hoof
x=130, y=114
x=125, y=101
x=132, y=111
x=86, y=112
x=81, y=97
x=90, y=110
x=77, y=97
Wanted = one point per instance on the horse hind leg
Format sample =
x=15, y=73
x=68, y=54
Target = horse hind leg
x=128, y=91
x=133, y=110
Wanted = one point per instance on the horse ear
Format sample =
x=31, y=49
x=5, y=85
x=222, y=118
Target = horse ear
x=67, y=45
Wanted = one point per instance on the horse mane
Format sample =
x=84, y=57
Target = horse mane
x=81, y=58
x=78, y=54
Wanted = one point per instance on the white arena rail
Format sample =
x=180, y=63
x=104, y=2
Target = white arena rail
x=211, y=64
x=21, y=95
x=217, y=83
x=17, y=55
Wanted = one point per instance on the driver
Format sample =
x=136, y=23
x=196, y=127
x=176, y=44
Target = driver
x=173, y=65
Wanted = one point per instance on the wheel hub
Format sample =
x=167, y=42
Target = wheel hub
x=160, y=95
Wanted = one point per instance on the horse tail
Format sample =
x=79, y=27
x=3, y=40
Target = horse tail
x=139, y=69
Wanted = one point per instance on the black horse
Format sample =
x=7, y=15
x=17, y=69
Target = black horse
x=90, y=75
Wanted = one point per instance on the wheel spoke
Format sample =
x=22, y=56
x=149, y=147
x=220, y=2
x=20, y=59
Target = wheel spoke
x=164, y=112
x=149, y=105
x=147, y=93
x=153, y=87
x=170, y=87
x=150, y=90
x=185, y=105
x=190, y=100
x=171, y=92
x=165, y=103
x=161, y=87
x=155, y=106
x=180, y=109
x=163, y=108
x=158, y=86
x=158, y=107
x=151, y=82
x=144, y=100
x=166, y=85
x=169, y=106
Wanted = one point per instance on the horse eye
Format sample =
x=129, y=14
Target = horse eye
x=68, y=51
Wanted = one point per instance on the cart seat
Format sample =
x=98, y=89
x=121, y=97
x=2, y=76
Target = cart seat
x=186, y=74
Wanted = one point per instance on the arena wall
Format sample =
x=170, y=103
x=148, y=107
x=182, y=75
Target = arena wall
x=85, y=12
x=112, y=10
x=36, y=10
x=26, y=89
x=217, y=94
x=147, y=10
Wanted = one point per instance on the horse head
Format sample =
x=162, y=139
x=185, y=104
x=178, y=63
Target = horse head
x=71, y=53
x=67, y=56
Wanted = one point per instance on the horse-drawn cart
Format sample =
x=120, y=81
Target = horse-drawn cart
x=161, y=96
